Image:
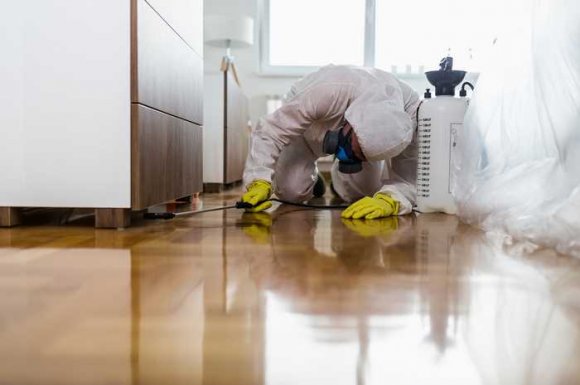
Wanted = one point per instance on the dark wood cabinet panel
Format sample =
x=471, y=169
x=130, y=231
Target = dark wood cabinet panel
x=185, y=17
x=166, y=157
x=167, y=72
x=10, y=216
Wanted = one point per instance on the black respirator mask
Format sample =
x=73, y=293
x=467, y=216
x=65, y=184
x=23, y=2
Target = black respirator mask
x=340, y=145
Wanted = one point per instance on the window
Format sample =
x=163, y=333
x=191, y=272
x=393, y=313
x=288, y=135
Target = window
x=402, y=36
x=412, y=35
x=303, y=33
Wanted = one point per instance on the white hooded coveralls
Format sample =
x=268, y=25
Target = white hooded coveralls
x=381, y=109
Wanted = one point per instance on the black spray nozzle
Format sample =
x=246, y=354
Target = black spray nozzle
x=243, y=205
x=446, y=78
x=446, y=64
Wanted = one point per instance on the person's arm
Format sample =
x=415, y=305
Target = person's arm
x=397, y=196
x=272, y=133
x=400, y=183
x=399, y=180
x=275, y=131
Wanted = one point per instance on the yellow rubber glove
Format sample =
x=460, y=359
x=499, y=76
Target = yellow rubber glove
x=379, y=206
x=373, y=228
x=257, y=226
x=258, y=192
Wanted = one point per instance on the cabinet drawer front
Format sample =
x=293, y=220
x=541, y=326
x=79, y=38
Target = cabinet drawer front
x=185, y=17
x=167, y=72
x=166, y=156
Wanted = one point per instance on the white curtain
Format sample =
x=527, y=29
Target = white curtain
x=518, y=169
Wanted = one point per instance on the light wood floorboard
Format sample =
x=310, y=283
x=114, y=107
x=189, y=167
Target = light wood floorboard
x=290, y=297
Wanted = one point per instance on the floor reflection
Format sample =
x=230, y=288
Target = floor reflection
x=291, y=297
x=425, y=300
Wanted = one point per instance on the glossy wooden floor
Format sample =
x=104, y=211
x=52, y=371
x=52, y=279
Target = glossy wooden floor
x=295, y=297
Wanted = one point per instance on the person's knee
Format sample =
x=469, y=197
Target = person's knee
x=293, y=194
x=295, y=185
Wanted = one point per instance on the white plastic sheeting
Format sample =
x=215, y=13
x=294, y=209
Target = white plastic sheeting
x=518, y=166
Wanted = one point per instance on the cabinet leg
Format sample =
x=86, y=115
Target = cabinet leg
x=10, y=216
x=189, y=198
x=112, y=218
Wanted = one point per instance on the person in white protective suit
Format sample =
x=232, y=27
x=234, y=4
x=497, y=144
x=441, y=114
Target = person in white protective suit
x=367, y=115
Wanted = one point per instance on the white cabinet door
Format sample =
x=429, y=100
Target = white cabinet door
x=65, y=103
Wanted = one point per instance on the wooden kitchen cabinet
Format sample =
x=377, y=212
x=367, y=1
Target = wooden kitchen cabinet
x=102, y=106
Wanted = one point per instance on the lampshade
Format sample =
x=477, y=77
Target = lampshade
x=238, y=31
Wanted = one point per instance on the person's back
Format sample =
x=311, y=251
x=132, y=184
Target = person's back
x=361, y=78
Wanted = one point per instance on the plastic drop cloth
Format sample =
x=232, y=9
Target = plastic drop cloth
x=517, y=169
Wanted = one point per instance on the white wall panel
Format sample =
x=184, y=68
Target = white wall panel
x=65, y=103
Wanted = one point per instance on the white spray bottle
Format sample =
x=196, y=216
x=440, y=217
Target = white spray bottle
x=440, y=119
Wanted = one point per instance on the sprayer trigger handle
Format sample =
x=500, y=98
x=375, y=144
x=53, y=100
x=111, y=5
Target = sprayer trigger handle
x=243, y=205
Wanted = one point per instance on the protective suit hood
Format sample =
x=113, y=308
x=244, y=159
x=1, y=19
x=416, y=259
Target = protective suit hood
x=381, y=124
